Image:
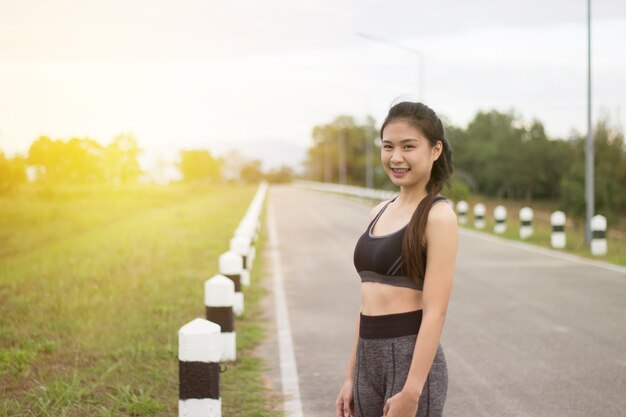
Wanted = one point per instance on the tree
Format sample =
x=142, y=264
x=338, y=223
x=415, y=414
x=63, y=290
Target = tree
x=120, y=160
x=84, y=160
x=281, y=175
x=12, y=172
x=74, y=161
x=609, y=173
x=322, y=162
x=251, y=172
x=198, y=165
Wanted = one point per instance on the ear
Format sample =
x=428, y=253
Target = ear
x=437, y=149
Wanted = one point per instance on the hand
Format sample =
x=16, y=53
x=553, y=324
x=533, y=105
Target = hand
x=345, y=403
x=401, y=405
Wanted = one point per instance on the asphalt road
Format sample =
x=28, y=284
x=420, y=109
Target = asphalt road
x=527, y=333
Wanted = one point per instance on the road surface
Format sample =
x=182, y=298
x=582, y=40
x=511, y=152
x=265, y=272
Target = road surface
x=527, y=333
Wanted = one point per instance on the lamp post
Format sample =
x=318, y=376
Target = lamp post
x=589, y=151
x=420, y=58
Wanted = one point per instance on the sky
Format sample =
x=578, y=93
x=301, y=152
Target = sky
x=258, y=76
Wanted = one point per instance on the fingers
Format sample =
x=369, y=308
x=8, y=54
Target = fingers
x=344, y=409
x=339, y=409
x=386, y=409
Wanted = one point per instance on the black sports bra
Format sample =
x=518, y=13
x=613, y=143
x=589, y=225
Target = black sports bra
x=378, y=259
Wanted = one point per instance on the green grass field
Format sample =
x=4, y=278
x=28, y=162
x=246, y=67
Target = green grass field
x=95, y=283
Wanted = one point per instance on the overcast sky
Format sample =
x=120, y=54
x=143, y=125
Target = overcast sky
x=203, y=74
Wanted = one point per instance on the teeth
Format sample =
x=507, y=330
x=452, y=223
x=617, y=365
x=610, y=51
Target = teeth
x=400, y=169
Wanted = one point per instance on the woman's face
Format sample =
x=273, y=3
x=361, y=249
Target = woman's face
x=404, y=146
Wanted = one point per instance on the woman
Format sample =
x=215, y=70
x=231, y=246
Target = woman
x=406, y=260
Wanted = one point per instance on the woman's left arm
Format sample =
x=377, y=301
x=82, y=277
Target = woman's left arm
x=441, y=241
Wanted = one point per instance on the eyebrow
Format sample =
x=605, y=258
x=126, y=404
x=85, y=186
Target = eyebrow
x=402, y=141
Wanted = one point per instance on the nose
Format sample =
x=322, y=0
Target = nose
x=395, y=156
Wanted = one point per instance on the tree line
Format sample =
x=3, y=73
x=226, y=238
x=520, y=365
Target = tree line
x=497, y=155
x=86, y=161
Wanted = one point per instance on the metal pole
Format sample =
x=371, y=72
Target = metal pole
x=369, y=169
x=342, y=156
x=589, y=151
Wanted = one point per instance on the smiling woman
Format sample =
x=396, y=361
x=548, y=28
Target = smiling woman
x=397, y=367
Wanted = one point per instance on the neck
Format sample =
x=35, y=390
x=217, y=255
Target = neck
x=411, y=196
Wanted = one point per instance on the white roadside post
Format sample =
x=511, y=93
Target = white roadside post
x=598, y=235
x=241, y=244
x=199, y=369
x=461, y=209
x=479, y=216
x=557, y=220
x=499, y=214
x=231, y=266
x=526, y=222
x=219, y=297
x=248, y=230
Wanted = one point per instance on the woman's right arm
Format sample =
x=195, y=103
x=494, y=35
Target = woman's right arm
x=345, y=401
x=351, y=364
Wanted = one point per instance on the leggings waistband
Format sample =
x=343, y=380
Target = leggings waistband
x=390, y=325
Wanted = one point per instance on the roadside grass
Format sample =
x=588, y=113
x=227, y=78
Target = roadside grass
x=95, y=283
x=542, y=231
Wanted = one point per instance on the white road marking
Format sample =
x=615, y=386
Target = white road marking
x=288, y=368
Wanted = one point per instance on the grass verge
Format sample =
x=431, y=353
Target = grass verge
x=95, y=283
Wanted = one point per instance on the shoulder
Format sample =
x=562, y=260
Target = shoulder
x=441, y=222
x=441, y=213
x=377, y=208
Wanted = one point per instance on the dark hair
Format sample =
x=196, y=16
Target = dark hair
x=426, y=121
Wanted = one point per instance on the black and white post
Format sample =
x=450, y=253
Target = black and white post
x=526, y=222
x=242, y=244
x=499, y=214
x=231, y=266
x=598, y=235
x=219, y=296
x=479, y=216
x=461, y=209
x=557, y=238
x=199, y=369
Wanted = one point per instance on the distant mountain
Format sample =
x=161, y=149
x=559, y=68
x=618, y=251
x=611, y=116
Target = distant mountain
x=272, y=152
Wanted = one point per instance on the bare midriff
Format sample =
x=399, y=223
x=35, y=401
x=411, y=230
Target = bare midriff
x=378, y=299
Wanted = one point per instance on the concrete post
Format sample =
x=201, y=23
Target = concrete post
x=219, y=297
x=231, y=266
x=199, y=369
x=598, y=235
x=499, y=214
x=557, y=239
x=479, y=216
x=461, y=209
x=242, y=244
x=526, y=222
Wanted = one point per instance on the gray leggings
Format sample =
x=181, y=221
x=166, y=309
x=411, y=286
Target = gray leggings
x=382, y=366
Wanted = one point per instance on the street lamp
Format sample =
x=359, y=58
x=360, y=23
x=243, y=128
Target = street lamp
x=420, y=58
x=589, y=151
